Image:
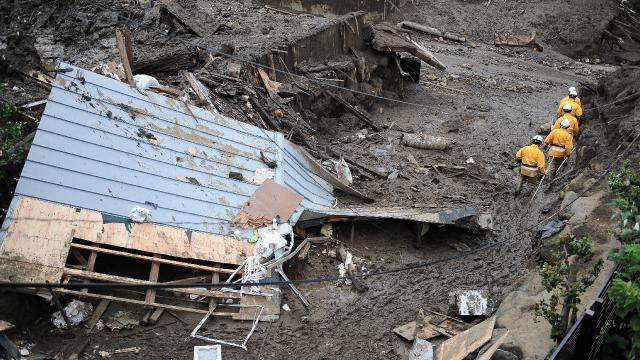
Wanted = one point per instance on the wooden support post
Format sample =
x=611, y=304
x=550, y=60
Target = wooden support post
x=97, y=313
x=153, y=277
x=272, y=65
x=123, y=39
x=91, y=263
x=78, y=256
x=215, y=279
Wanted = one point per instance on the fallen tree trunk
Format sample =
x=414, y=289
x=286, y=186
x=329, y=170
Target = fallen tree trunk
x=385, y=40
x=180, y=59
x=424, y=141
x=432, y=31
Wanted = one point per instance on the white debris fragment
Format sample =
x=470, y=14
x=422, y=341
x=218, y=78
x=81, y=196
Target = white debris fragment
x=140, y=214
x=261, y=175
x=470, y=161
x=24, y=352
x=143, y=82
x=421, y=350
x=471, y=302
x=77, y=312
x=343, y=172
x=343, y=267
x=286, y=307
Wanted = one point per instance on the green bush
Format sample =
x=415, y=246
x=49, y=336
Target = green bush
x=11, y=132
x=624, y=332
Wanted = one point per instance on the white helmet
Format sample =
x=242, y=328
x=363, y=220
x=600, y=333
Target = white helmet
x=573, y=91
x=537, y=139
x=567, y=108
x=565, y=123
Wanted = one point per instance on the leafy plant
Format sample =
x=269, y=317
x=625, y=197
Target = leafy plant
x=562, y=281
x=624, y=330
x=11, y=132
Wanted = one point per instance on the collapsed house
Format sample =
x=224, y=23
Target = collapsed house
x=105, y=152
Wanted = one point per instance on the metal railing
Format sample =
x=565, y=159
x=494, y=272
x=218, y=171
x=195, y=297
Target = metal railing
x=584, y=339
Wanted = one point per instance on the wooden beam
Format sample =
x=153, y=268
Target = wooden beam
x=78, y=256
x=153, y=277
x=125, y=280
x=123, y=39
x=139, y=302
x=354, y=111
x=215, y=279
x=201, y=93
x=91, y=263
x=97, y=313
x=149, y=258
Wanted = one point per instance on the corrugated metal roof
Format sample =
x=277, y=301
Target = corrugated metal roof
x=105, y=146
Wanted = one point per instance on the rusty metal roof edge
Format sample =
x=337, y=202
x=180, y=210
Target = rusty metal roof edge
x=442, y=216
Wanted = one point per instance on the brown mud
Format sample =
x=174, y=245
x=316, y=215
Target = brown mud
x=490, y=101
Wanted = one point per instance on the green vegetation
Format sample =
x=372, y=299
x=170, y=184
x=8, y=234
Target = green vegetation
x=11, y=132
x=560, y=278
x=624, y=332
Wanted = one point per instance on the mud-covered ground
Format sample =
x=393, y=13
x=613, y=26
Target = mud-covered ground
x=490, y=101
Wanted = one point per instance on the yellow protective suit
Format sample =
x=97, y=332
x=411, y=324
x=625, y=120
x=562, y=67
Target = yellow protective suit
x=532, y=160
x=573, y=128
x=561, y=143
x=576, y=106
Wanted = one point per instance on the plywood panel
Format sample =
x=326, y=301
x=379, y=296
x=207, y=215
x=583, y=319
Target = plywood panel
x=40, y=233
x=20, y=271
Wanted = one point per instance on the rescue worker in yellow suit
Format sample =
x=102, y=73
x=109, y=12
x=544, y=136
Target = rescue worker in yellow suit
x=574, y=128
x=572, y=99
x=560, y=143
x=531, y=160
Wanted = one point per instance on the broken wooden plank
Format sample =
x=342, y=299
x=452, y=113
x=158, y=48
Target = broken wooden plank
x=33, y=104
x=278, y=10
x=186, y=20
x=487, y=351
x=384, y=40
x=432, y=31
x=150, y=297
x=517, y=40
x=123, y=39
x=354, y=111
x=82, y=274
x=201, y=92
x=264, y=116
x=168, y=90
x=149, y=258
x=426, y=56
x=410, y=332
x=155, y=316
x=5, y=326
x=97, y=313
x=269, y=84
x=466, y=342
x=78, y=256
x=293, y=288
x=40, y=77
x=139, y=302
